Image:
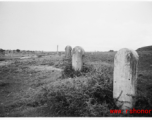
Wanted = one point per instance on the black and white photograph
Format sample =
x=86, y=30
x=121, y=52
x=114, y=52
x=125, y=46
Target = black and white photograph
x=76, y=59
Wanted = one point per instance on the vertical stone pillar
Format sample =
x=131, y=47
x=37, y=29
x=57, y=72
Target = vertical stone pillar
x=77, y=58
x=68, y=50
x=57, y=50
x=125, y=78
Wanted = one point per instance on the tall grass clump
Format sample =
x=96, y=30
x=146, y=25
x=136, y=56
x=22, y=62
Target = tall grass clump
x=89, y=95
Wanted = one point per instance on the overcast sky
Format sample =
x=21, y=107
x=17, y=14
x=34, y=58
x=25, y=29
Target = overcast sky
x=96, y=26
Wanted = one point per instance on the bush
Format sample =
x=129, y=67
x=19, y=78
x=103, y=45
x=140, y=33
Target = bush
x=39, y=56
x=1, y=50
x=2, y=53
x=92, y=99
x=18, y=50
x=111, y=50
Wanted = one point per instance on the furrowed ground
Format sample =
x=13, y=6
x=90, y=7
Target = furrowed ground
x=45, y=85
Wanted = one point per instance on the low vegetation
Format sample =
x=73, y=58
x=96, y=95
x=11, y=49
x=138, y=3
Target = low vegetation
x=88, y=93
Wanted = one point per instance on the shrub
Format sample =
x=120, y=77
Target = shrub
x=92, y=99
x=1, y=50
x=39, y=56
x=18, y=50
x=111, y=50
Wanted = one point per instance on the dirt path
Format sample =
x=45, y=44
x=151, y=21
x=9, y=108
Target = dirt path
x=45, y=68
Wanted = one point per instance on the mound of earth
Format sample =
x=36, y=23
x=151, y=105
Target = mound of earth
x=146, y=48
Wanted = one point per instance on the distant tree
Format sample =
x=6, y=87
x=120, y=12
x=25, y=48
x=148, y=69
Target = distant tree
x=2, y=52
x=111, y=50
x=18, y=50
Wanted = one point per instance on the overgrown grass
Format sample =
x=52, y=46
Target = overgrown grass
x=92, y=98
x=88, y=93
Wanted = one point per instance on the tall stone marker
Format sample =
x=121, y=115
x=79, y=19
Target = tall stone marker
x=77, y=58
x=68, y=50
x=125, y=78
x=57, y=52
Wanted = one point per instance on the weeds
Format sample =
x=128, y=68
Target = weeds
x=91, y=99
x=94, y=99
x=88, y=93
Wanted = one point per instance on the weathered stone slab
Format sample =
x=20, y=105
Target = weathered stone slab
x=68, y=50
x=125, y=78
x=77, y=58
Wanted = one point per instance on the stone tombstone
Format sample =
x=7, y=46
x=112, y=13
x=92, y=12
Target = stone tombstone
x=68, y=50
x=125, y=78
x=77, y=58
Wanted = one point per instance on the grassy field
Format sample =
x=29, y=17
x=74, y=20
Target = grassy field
x=44, y=85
